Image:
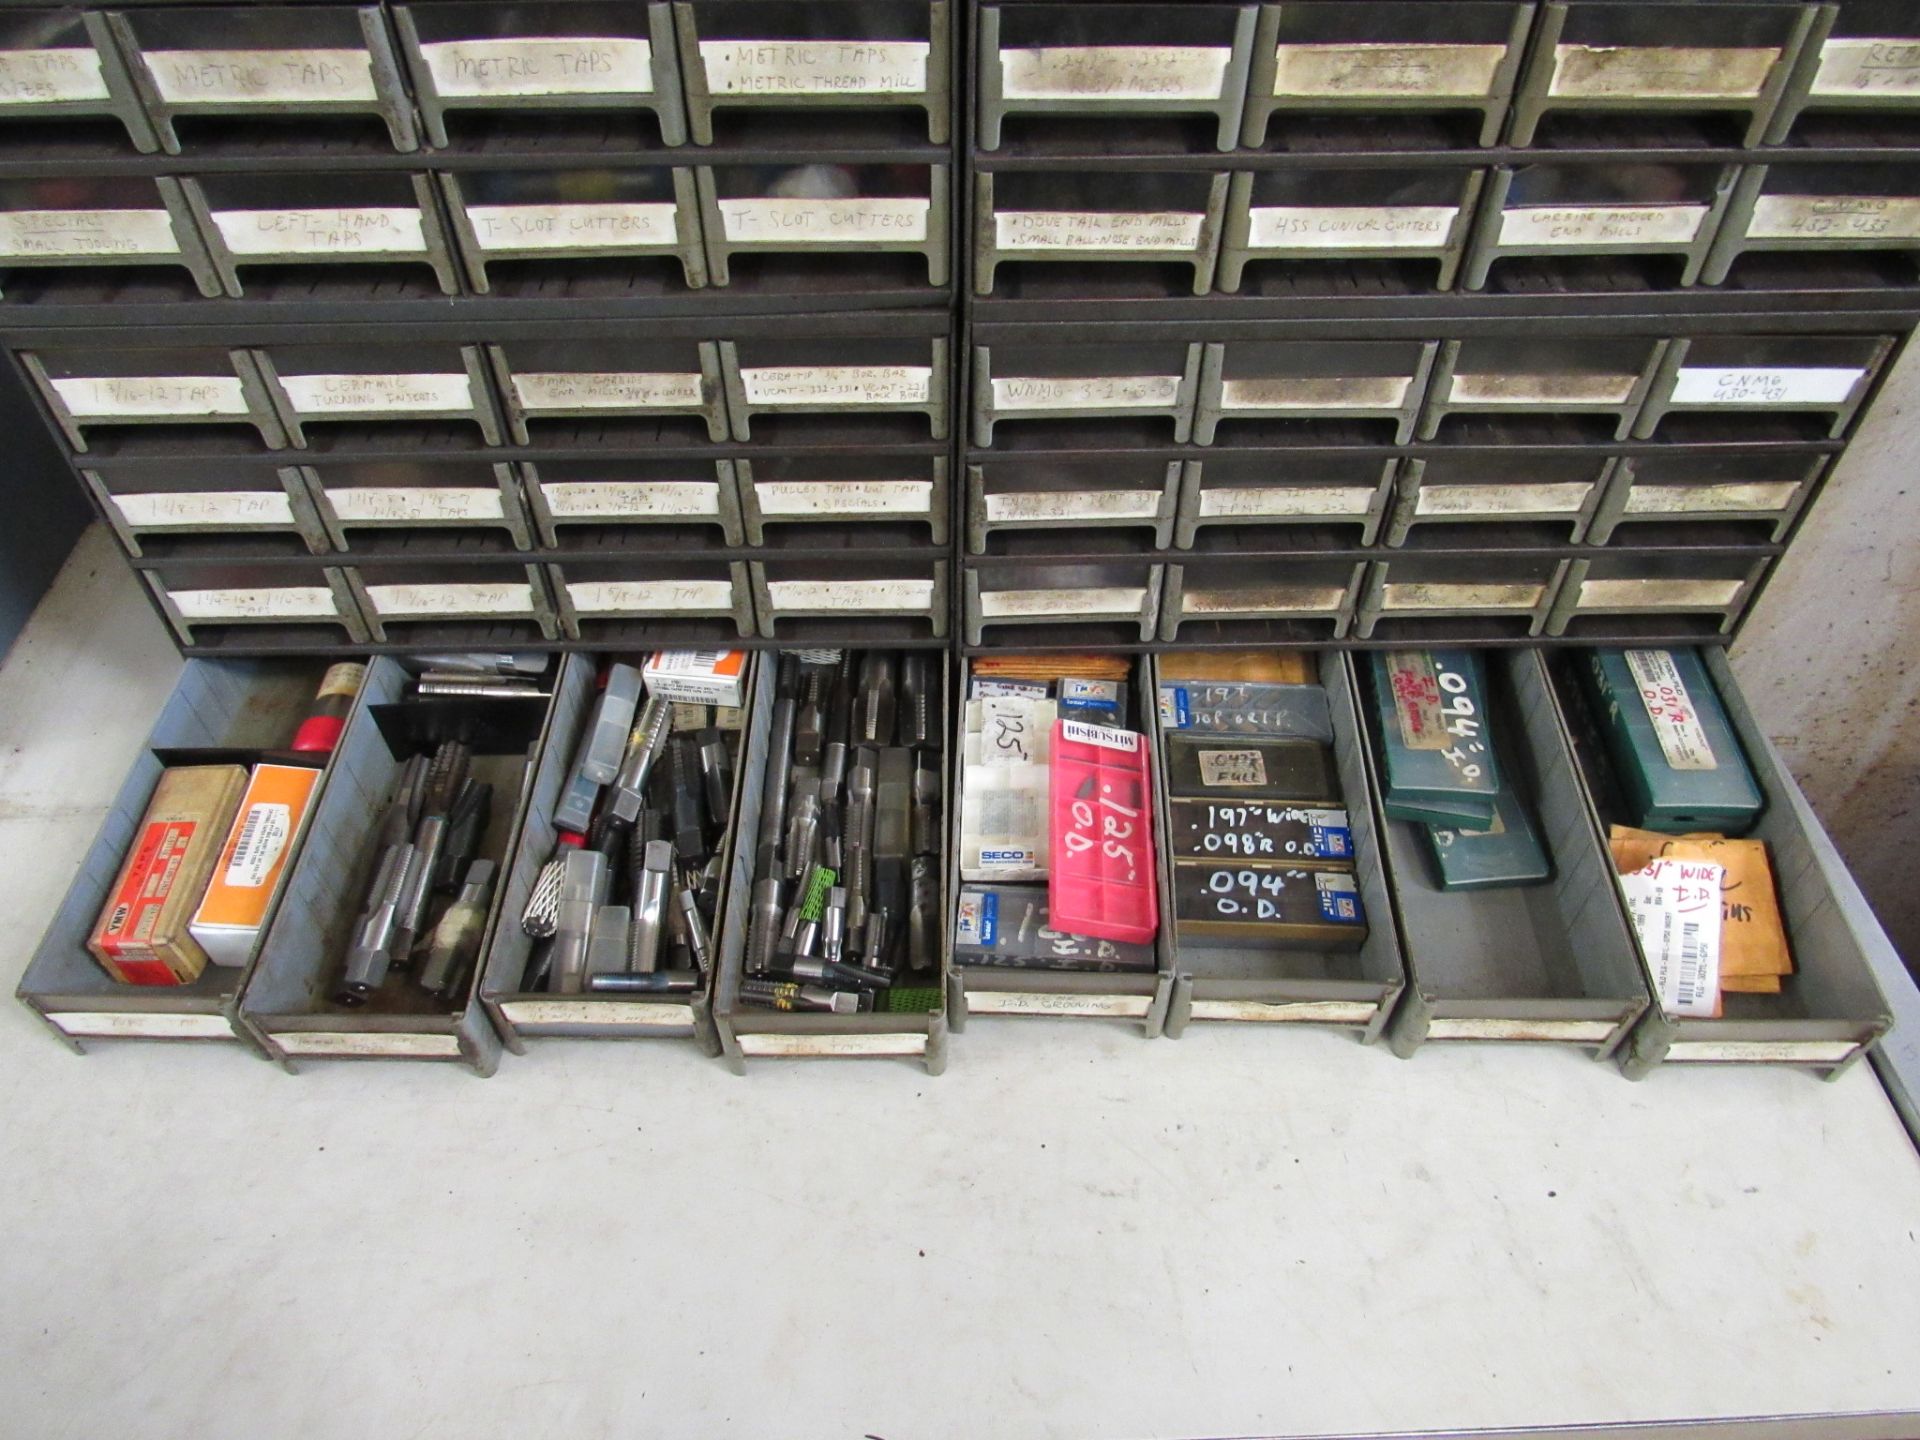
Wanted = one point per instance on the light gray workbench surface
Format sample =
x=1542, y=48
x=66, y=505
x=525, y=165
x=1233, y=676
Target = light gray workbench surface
x=1074, y=1232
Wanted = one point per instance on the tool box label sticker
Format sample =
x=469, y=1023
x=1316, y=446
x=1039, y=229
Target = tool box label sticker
x=368, y=230
x=362, y=394
x=1203, y=829
x=1303, y=392
x=1137, y=231
x=1349, y=227
x=837, y=385
x=372, y=504
x=282, y=602
x=1287, y=500
x=1115, y=72
x=1675, y=905
x=614, y=499
x=1564, y=498
x=1386, y=72
x=128, y=397
x=1869, y=68
x=1091, y=600
x=509, y=229
x=844, y=497
x=51, y=77
x=1646, y=593
x=535, y=65
x=1835, y=217
x=232, y=507
x=1544, y=227
x=850, y=594
x=868, y=221
x=1229, y=768
x=1643, y=72
x=1676, y=723
x=1570, y=389
x=27, y=234
x=261, y=77
x=263, y=840
x=593, y=390
x=1799, y=385
x=472, y=598
x=635, y=597
x=772, y=69
x=1683, y=499
x=1011, y=505
x=1015, y=394
x=152, y=1025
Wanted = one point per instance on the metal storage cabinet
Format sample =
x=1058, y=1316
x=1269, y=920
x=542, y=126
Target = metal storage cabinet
x=704, y=601
x=1548, y=963
x=1294, y=219
x=385, y=382
x=1315, y=597
x=93, y=224
x=638, y=380
x=1423, y=599
x=1170, y=219
x=1336, y=495
x=1819, y=209
x=1551, y=495
x=1350, y=990
x=1254, y=381
x=186, y=507
x=1012, y=499
x=900, y=213
x=585, y=504
x=468, y=506
x=1063, y=385
x=90, y=388
x=1551, y=377
x=219, y=706
x=860, y=496
x=1120, y=597
x=445, y=605
x=257, y=607
x=1758, y=492
x=57, y=67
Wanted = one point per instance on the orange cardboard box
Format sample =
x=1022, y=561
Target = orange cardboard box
x=259, y=845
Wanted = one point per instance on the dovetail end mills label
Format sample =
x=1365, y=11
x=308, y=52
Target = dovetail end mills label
x=1571, y=225
x=867, y=221
x=1313, y=228
x=1835, y=217
x=1386, y=71
x=1015, y=394
x=621, y=499
x=262, y=77
x=1800, y=385
x=131, y=397
x=589, y=390
x=1125, y=231
x=529, y=65
x=101, y=234
x=1619, y=72
x=837, y=386
x=373, y=394
x=1867, y=68
x=51, y=77
x=214, y=508
x=610, y=226
x=379, y=230
x=773, y=69
x=1115, y=72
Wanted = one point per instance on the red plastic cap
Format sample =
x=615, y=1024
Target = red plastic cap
x=318, y=734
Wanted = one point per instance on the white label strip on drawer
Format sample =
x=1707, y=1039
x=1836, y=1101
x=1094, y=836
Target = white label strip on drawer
x=618, y=499
x=1429, y=596
x=838, y=385
x=1544, y=227
x=128, y=397
x=1349, y=227
x=133, y=1024
x=376, y=503
x=1125, y=231
x=1290, y=392
x=1866, y=68
x=371, y=1043
x=1794, y=385
x=1582, y=1031
x=485, y=597
x=880, y=595
x=51, y=77
x=1386, y=71
x=782, y=221
x=1017, y=394
x=1086, y=600
x=1619, y=72
x=1265, y=600
x=1685, y=499
x=1299, y=1012
x=1116, y=73
x=844, y=497
x=1011, y=506
x=1015, y=1002
x=371, y=394
x=31, y=234
x=378, y=230
x=530, y=65
x=605, y=226
x=212, y=508
x=1287, y=500
x=640, y=597
x=1658, y=594
x=585, y=390
x=1577, y=389
x=609, y=1011
x=282, y=602
x=262, y=77
x=800, y=1047
x=772, y=69
x=1835, y=217
x=1550, y=499
x=1750, y=1052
